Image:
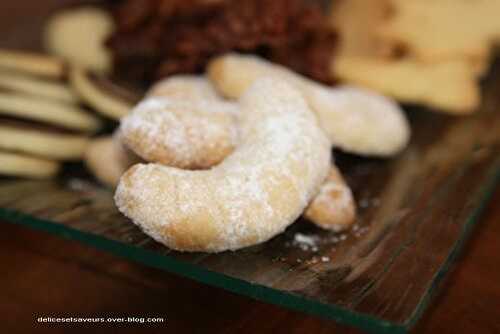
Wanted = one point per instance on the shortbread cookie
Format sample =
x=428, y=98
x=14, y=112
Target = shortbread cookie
x=31, y=85
x=449, y=86
x=32, y=63
x=366, y=58
x=13, y=164
x=78, y=35
x=108, y=160
x=40, y=109
x=205, y=140
x=355, y=120
x=106, y=104
x=440, y=30
x=253, y=195
x=355, y=22
x=57, y=146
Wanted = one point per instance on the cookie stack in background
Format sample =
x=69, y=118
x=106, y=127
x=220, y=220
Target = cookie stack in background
x=42, y=121
x=426, y=52
x=51, y=105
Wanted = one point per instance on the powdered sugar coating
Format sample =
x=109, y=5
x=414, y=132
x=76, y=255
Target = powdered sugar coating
x=254, y=194
x=334, y=207
x=163, y=134
x=187, y=88
x=181, y=123
x=356, y=120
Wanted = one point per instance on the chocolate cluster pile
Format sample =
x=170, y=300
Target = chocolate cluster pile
x=157, y=38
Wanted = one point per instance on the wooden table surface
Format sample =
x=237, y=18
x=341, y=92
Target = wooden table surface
x=43, y=275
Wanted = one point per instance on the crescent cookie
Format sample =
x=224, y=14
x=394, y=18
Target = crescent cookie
x=254, y=194
x=183, y=123
x=210, y=140
x=14, y=164
x=355, y=120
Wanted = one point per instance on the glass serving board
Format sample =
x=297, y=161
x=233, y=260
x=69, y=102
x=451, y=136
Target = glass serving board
x=415, y=212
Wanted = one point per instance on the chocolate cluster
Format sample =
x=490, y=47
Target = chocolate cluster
x=157, y=38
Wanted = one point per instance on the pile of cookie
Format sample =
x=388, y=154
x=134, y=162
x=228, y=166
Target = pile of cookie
x=429, y=52
x=233, y=157
x=51, y=105
x=42, y=121
x=49, y=111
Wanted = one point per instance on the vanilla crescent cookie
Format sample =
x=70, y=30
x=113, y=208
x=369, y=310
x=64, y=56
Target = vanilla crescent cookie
x=254, y=194
x=333, y=208
x=150, y=132
x=187, y=87
x=458, y=91
x=356, y=120
x=182, y=123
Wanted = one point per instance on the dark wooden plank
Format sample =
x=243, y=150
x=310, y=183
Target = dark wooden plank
x=70, y=278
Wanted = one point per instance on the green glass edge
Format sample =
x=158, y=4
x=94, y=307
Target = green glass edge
x=165, y=262
x=256, y=291
x=485, y=195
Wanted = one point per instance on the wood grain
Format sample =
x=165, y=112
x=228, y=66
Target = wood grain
x=49, y=275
